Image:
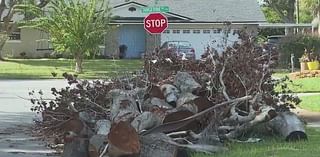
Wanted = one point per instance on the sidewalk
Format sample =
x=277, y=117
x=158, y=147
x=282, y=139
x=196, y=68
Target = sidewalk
x=16, y=139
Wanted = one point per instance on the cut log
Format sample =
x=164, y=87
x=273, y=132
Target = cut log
x=145, y=121
x=75, y=146
x=103, y=127
x=185, y=98
x=123, y=140
x=124, y=107
x=185, y=82
x=158, y=145
x=160, y=102
x=179, y=115
x=153, y=91
x=170, y=93
x=288, y=125
x=97, y=143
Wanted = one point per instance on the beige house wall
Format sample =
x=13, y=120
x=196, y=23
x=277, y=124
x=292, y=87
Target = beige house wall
x=28, y=44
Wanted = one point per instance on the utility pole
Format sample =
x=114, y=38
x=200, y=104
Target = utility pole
x=297, y=15
x=298, y=11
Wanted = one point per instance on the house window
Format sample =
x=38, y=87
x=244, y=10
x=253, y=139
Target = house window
x=206, y=31
x=15, y=35
x=166, y=32
x=186, y=31
x=236, y=31
x=175, y=31
x=216, y=31
x=196, y=31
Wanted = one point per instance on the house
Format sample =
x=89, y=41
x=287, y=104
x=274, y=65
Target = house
x=201, y=22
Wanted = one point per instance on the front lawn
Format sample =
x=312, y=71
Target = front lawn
x=43, y=68
x=311, y=103
x=302, y=85
x=275, y=147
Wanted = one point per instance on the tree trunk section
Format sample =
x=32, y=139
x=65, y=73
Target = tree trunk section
x=3, y=40
x=157, y=145
x=78, y=68
x=288, y=125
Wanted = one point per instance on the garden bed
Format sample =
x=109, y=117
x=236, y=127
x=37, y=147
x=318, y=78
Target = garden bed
x=305, y=74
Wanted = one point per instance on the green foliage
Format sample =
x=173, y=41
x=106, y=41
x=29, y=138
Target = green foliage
x=75, y=27
x=282, y=8
x=271, y=15
x=296, y=45
x=308, y=10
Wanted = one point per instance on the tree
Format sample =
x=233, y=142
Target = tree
x=285, y=9
x=11, y=8
x=75, y=27
x=271, y=15
x=312, y=5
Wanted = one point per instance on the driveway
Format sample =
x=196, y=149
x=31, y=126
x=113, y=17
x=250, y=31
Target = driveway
x=16, y=118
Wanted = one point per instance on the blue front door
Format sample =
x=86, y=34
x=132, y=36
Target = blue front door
x=133, y=36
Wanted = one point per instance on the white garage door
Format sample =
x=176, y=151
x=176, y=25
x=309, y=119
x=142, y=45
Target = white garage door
x=199, y=38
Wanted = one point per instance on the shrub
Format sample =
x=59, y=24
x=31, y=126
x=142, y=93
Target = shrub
x=296, y=45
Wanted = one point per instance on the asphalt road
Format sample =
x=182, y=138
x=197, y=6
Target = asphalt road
x=16, y=117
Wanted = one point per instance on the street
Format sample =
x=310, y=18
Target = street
x=16, y=118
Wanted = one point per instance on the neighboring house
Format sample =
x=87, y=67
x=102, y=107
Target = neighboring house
x=198, y=21
x=201, y=22
x=27, y=42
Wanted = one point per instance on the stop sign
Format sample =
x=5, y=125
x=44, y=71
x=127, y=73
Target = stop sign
x=155, y=23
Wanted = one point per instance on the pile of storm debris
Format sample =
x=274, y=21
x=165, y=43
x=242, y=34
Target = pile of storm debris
x=173, y=107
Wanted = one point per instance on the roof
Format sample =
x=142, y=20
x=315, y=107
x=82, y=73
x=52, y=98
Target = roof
x=207, y=10
x=285, y=25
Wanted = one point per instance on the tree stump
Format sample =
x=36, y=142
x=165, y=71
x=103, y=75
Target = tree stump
x=288, y=125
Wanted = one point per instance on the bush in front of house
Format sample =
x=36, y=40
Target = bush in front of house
x=296, y=44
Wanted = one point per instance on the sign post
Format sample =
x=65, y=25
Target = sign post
x=155, y=23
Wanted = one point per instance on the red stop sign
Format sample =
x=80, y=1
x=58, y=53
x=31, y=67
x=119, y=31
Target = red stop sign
x=155, y=23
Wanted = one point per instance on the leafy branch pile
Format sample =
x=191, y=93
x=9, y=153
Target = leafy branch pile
x=172, y=107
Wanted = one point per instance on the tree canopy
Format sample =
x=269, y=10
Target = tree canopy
x=75, y=27
x=283, y=9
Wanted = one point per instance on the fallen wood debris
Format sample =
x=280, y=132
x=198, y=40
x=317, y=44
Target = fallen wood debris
x=173, y=107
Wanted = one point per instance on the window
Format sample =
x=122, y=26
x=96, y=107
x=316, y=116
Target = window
x=219, y=30
x=186, y=31
x=175, y=31
x=206, y=31
x=132, y=9
x=196, y=31
x=166, y=32
x=215, y=31
x=15, y=35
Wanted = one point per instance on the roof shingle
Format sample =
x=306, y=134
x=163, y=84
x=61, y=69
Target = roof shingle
x=209, y=10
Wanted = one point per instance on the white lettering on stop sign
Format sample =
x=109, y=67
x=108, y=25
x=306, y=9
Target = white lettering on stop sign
x=155, y=23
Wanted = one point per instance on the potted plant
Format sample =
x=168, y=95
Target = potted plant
x=303, y=61
x=313, y=63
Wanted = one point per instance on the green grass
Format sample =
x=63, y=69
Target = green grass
x=42, y=68
x=306, y=85
x=303, y=85
x=311, y=103
x=275, y=147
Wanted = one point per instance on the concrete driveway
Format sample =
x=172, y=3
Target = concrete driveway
x=16, y=117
